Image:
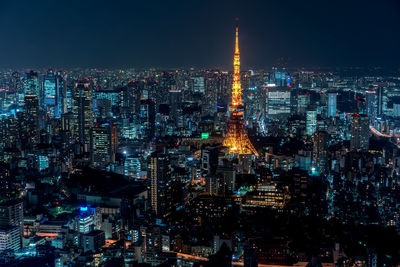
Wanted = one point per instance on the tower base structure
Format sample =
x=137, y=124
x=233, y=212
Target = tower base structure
x=236, y=138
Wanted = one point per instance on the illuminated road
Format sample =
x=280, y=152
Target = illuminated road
x=378, y=133
x=234, y=263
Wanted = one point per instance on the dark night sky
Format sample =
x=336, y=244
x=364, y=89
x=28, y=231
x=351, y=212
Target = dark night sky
x=147, y=33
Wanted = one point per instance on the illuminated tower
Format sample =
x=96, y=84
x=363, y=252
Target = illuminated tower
x=236, y=138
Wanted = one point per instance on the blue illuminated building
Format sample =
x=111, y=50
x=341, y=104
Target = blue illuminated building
x=53, y=94
x=332, y=97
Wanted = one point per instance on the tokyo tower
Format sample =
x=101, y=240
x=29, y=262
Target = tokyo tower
x=236, y=138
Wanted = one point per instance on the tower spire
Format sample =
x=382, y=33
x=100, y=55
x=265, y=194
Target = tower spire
x=236, y=86
x=236, y=138
x=237, y=36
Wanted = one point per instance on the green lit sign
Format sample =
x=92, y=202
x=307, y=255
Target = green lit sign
x=205, y=135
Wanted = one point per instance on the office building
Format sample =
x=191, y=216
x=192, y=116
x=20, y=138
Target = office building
x=280, y=77
x=311, y=122
x=371, y=104
x=88, y=220
x=175, y=104
x=359, y=133
x=100, y=146
x=380, y=100
x=10, y=238
x=320, y=152
x=12, y=213
x=132, y=166
x=147, y=118
x=396, y=110
x=53, y=94
x=31, y=83
x=278, y=103
x=198, y=85
x=92, y=241
x=160, y=175
x=83, y=112
x=31, y=116
x=332, y=97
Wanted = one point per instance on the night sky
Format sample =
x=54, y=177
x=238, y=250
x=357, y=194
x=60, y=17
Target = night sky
x=85, y=33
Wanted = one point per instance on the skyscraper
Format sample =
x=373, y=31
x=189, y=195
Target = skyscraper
x=303, y=100
x=100, y=146
x=160, y=175
x=359, y=133
x=31, y=116
x=175, y=103
x=380, y=98
x=396, y=110
x=83, y=111
x=371, y=104
x=236, y=138
x=198, y=85
x=132, y=166
x=31, y=83
x=320, y=151
x=332, y=97
x=103, y=144
x=12, y=213
x=11, y=224
x=280, y=77
x=127, y=98
x=278, y=103
x=10, y=238
x=311, y=122
x=147, y=118
x=53, y=94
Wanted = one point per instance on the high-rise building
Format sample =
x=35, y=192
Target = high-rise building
x=198, y=85
x=311, y=122
x=128, y=99
x=236, y=138
x=371, y=104
x=147, y=118
x=332, y=97
x=359, y=133
x=280, y=77
x=320, y=151
x=396, y=110
x=10, y=237
x=43, y=162
x=83, y=111
x=175, y=103
x=87, y=220
x=31, y=119
x=11, y=224
x=31, y=83
x=68, y=122
x=92, y=241
x=380, y=100
x=12, y=213
x=9, y=132
x=278, y=103
x=303, y=101
x=53, y=94
x=100, y=146
x=103, y=144
x=160, y=175
x=132, y=166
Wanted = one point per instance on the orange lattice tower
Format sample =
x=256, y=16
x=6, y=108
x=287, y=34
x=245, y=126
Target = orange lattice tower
x=236, y=138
